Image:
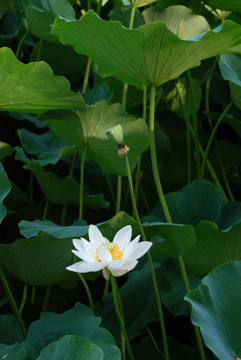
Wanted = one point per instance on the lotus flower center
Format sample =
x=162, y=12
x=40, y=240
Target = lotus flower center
x=113, y=248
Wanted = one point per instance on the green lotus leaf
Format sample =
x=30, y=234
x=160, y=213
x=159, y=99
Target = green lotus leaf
x=5, y=187
x=46, y=147
x=13, y=352
x=87, y=128
x=212, y=248
x=10, y=332
x=59, y=190
x=31, y=228
x=41, y=13
x=40, y=261
x=71, y=347
x=170, y=239
x=150, y=55
x=216, y=309
x=79, y=322
x=197, y=201
x=33, y=87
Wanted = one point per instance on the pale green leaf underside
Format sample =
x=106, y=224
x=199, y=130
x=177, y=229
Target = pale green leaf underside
x=150, y=55
x=33, y=87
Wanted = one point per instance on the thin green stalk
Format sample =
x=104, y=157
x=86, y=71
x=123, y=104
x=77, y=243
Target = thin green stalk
x=131, y=22
x=106, y=288
x=115, y=290
x=46, y=297
x=188, y=137
x=13, y=303
x=144, y=110
x=118, y=194
x=24, y=297
x=39, y=50
x=195, y=125
x=162, y=197
x=86, y=76
x=81, y=190
x=125, y=86
x=124, y=95
x=20, y=44
x=45, y=210
x=206, y=98
x=99, y=4
x=210, y=168
x=65, y=206
x=82, y=279
x=206, y=95
x=154, y=157
x=154, y=341
x=138, y=169
x=212, y=136
x=137, y=182
x=153, y=275
x=111, y=189
x=225, y=179
x=123, y=343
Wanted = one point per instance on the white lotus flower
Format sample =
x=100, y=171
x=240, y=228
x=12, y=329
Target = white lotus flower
x=117, y=257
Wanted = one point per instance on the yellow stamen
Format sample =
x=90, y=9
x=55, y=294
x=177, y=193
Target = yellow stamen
x=113, y=248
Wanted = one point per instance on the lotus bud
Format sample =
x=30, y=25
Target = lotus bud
x=115, y=134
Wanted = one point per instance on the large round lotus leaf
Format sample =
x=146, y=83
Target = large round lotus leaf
x=33, y=87
x=150, y=55
x=87, y=128
x=40, y=261
x=216, y=309
x=197, y=201
x=79, y=321
x=212, y=248
x=179, y=19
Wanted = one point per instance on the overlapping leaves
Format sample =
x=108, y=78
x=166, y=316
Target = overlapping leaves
x=150, y=55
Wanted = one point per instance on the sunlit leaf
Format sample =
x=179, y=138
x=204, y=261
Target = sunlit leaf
x=179, y=19
x=33, y=87
x=150, y=55
x=87, y=128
